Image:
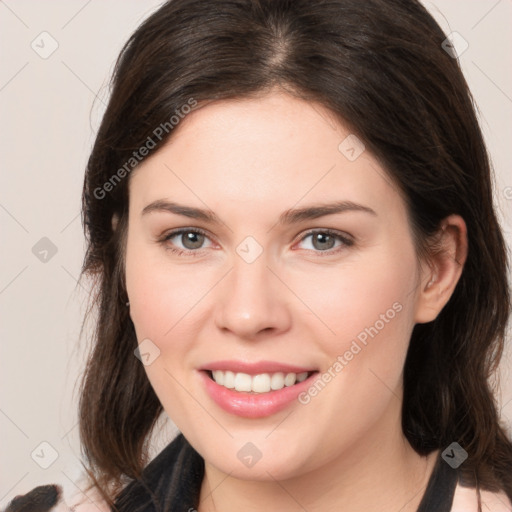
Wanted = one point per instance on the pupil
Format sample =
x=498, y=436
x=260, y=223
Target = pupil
x=192, y=240
x=322, y=238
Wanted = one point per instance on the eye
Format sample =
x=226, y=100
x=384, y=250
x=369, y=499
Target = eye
x=191, y=240
x=325, y=241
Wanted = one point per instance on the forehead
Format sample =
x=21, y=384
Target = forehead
x=273, y=149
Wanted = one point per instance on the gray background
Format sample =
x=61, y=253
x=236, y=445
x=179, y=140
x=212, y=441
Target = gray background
x=50, y=107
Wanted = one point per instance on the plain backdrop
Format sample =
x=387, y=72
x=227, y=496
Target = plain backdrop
x=50, y=108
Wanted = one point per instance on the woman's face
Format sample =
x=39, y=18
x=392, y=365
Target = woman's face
x=264, y=281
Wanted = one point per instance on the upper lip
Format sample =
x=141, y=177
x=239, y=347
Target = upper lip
x=256, y=367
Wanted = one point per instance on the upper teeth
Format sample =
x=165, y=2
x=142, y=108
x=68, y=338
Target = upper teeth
x=261, y=383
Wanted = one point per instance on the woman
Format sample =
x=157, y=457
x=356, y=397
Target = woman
x=289, y=215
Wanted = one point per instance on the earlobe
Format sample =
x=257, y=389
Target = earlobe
x=440, y=277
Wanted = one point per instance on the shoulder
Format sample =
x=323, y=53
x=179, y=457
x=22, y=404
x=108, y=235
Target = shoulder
x=466, y=500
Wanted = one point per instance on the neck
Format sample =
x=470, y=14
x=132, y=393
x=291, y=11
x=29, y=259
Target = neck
x=379, y=472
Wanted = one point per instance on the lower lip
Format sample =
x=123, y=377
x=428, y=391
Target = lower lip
x=254, y=405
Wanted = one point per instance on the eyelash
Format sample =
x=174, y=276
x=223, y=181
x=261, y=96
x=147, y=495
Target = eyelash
x=346, y=241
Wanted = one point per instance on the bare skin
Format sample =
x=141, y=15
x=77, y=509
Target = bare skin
x=298, y=302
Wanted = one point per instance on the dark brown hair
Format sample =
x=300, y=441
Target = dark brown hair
x=379, y=66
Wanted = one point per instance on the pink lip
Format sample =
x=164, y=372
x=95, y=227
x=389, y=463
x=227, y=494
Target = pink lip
x=254, y=405
x=255, y=368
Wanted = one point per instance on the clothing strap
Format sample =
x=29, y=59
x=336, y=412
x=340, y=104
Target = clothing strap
x=440, y=489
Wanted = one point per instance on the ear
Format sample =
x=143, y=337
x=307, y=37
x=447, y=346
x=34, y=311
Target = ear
x=440, y=277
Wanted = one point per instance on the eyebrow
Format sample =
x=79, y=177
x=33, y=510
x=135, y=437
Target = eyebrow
x=292, y=216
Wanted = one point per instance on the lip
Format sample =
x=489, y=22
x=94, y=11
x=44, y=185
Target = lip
x=254, y=405
x=255, y=368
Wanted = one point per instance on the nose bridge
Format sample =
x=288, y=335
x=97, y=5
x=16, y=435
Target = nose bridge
x=250, y=281
x=251, y=299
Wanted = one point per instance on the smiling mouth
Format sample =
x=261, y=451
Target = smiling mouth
x=257, y=384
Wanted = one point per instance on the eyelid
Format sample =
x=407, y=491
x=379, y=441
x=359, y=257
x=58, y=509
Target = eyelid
x=346, y=239
x=179, y=231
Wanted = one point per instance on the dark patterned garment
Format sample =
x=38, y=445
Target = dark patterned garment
x=172, y=483
x=178, y=491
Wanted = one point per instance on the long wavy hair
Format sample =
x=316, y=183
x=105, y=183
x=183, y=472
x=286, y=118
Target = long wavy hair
x=379, y=66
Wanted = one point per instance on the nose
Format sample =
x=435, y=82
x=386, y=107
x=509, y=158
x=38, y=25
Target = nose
x=253, y=301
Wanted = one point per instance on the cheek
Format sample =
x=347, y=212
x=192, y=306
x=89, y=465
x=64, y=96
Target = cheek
x=367, y=312
x=169, y=306
x=161, y=295
x=164, y=308
x=370, y=308
x=158, y=301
